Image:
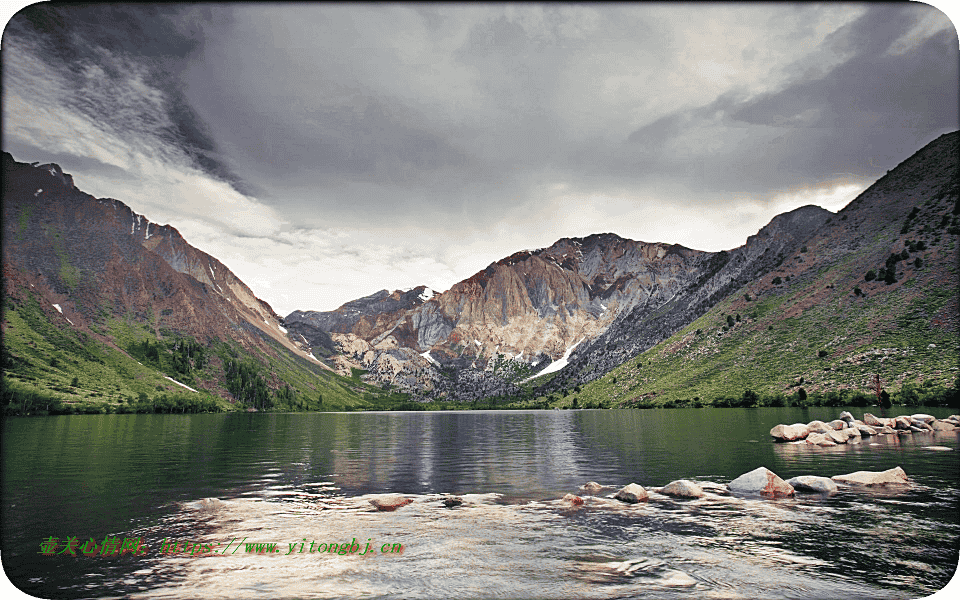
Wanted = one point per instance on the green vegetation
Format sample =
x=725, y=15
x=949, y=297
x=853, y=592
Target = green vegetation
x=51, y=367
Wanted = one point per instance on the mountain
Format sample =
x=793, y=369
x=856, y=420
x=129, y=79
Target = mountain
x=590, y=304
x=872, y=293
x=528, y=310
x=91, y=277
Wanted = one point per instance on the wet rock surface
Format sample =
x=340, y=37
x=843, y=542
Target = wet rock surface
x=761, y=481
x=631, y=493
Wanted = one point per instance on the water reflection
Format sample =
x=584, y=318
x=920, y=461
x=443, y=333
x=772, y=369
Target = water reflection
x=288, y=477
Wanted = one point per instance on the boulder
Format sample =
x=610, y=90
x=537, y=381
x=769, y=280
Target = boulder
x=818, y=427
x=714, y=488
x=894, y=476
x=943, y=426
x=901, y=423
x=631, y=493
x=887, y=430
x=872, y=421
x=924, y=417
x=815, y=439
x=789, y=433
x=389, y=502
x=761, y=481
x=851, y=432
x=812, y=483
x=682, y=488
x=452, y=501
x=837, y=424
x=591, y=487
x=846, y=416
x=866, y=430
x=210, y=504
x=572, y=499
x=837, y=437
x=920, y=424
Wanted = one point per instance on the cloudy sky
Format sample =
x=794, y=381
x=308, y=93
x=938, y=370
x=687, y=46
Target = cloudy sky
x=324, y=152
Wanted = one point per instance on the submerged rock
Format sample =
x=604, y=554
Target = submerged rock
x=631, y=493
x=894, y=476
x=812, y=483
x=761, y=481
x=452, y=501
x=389, y=502
x=682, y=488
x=210, y=504
x=591, y=487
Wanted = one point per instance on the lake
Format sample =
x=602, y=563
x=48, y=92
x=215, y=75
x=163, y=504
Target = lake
x=307, y=478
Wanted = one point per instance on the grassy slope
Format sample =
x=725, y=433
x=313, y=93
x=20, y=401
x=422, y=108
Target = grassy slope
x=906, y=331
x=47, y=361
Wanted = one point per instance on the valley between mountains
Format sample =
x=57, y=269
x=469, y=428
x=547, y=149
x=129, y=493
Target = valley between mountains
x=104, y=311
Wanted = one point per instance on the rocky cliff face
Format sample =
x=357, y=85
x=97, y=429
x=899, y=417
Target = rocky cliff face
x=96, y=258
x=611, y=295
x=645, y=325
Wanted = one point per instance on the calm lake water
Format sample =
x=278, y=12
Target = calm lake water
x=292, y=478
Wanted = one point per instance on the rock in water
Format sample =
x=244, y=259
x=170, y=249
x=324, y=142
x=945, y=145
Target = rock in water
x=682, y=489
x=761, y=481
x=572, y=499
x=943, y=426
x=812, y=483
x=790, y=433
x=591, y=487
x=894, y=476
x=631, y=493
x=452, y=501
x=209, y=504
x=389, y=502
x=818, y=427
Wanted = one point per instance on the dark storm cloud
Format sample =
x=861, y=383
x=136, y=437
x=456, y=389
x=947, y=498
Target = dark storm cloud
x=862, y=116
x=119, y=42
x=395, y=140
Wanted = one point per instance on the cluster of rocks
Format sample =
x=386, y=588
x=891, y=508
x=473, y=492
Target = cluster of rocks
x=759, y=482
x=842, y=430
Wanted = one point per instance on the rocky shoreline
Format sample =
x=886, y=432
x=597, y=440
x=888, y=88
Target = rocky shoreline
x=847, y=429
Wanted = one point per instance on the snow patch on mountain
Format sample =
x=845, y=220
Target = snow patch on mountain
x=557, y=364
x=180, y=384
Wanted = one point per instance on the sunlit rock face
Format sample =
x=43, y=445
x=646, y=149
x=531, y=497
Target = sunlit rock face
x=528, y=308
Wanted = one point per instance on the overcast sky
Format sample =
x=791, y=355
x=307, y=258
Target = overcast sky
x=325, y=152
